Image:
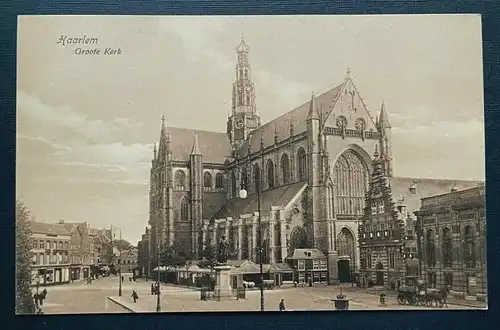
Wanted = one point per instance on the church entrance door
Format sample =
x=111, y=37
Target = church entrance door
x=344, y=271
x=380, y=274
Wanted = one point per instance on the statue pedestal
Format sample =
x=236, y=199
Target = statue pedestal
x=223, y=281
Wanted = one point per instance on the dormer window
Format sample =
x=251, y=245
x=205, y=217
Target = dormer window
x=378, y=234
x=371, y=235
x=309, y=254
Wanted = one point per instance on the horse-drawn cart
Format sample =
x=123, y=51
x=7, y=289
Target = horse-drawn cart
x=418, y=295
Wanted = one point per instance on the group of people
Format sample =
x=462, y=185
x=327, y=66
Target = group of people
x=39, y=297
x=155, y=288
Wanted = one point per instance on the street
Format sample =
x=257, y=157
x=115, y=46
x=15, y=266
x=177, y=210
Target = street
x=91, y=298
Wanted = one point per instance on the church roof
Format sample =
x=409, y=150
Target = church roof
x=303, y=254
x=280, y=196
x=424, y=188
x=213, y=146
x=281, y=125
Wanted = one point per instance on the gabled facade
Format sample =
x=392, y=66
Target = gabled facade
x=381, y=231
x=80, y=249
x=311, y=165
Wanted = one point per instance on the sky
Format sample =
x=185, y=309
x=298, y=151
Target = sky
x=86, y=123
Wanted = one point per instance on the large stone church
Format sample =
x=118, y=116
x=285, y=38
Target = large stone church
x=312, y=166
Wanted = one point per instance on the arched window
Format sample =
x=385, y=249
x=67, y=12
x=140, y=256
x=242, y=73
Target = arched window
x=430, y=248
x=219, y=183
x=233, y=185
x=298, y=238
x=184, y=209
x=270, y=174
x=469, y=249
x=207, y=180
x=301, y=158
x=447, y=248
x=346, y=246
x=350, y=179
x=256, y=177
x=180, y=180
x=244, y=178
x=285, y=168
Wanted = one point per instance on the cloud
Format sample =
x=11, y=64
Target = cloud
x=32, y=108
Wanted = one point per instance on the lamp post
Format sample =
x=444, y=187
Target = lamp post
x=158, y=303
x=119, y=260
x=243, y=194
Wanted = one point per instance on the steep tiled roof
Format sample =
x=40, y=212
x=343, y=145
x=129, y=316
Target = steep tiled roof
x=302, y=254
x=213, y=146
x=48, y=228
x=425, y=188
x=282, y=124
x=280, y=196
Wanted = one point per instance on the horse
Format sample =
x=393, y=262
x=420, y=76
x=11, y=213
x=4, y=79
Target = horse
x=436, y=295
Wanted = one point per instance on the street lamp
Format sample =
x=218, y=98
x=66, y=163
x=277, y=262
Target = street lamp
x=158, y=303
x=119, y=260
x=243, y=194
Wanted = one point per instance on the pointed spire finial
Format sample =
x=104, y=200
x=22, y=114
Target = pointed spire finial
x=154, y=150
x=241, y=31
x=376, y=154
x=313, y=110
x=348, y=72
x=291, y=127
x=384, y=120
x=196, y=145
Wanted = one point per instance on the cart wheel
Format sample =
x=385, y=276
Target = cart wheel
x=401, y=299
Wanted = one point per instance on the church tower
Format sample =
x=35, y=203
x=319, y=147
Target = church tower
x=243, y=117
x=385, y=128
x=196, y=189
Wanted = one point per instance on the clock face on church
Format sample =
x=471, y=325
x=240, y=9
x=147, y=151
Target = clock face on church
x=239, y=123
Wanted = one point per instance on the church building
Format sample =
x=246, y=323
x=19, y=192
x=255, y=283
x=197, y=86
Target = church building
x=311, y=165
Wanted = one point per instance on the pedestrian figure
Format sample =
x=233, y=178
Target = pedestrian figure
x=134, y=296
x=130, y=279
x=35, y=297
x=123, y=277
x=282, y=305
x=382, y=299
x=152, y=289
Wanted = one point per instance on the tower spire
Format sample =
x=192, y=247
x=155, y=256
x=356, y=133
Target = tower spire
x=154, y=150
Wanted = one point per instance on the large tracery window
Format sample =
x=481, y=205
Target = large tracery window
x=184, y=209
x=244, y=178
x=350, y=184
x=219, y=181
x=180, y=180
x=285, y=168
x=298, y=238
x=302, y=165
x=346, y=245
x=207, y=180
x=256, y=177
x=270, y=174
x=447, y=248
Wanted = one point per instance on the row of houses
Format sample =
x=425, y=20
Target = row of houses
x=65, y=252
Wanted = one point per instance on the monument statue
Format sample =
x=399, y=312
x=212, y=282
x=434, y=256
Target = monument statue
x=222, y=250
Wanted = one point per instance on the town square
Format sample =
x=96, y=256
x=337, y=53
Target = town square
x=234, y=173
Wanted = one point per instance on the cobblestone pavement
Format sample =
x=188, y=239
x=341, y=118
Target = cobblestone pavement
x=91, y=298
x=295, y=299
x=79, y=297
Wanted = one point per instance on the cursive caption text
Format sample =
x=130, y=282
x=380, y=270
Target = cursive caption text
x=87, y=46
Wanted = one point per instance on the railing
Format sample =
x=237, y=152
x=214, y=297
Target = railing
x=370, y=135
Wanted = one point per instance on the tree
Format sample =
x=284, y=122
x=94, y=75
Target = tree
x=24, y=299
x=209, y=257
x=122, y=244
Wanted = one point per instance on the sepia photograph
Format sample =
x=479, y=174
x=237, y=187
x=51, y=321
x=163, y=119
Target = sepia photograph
x=250, y=163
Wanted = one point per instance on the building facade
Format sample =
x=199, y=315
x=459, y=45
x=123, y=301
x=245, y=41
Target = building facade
x=81, y=253
x=452, y=247
x=128, y=260
x=51, y=253
x=311, y=167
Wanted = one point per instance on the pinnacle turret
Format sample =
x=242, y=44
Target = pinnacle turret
x=384, y=120
x=196, y=145
x=313, y=110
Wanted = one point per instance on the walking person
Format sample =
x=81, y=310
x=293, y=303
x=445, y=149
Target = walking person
x=134, y=296
x=282, y=305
